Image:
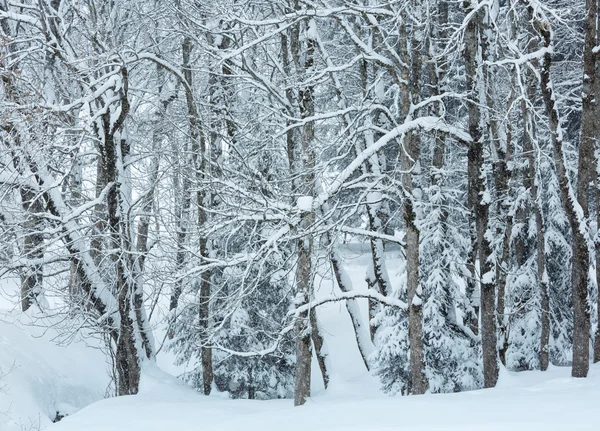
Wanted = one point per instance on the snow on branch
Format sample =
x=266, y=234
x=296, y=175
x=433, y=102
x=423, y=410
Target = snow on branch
x=426, y=123
x=368, y=294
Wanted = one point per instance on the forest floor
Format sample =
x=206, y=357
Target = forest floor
x=38, y=377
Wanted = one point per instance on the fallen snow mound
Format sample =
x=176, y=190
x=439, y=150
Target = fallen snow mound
x=39, y=378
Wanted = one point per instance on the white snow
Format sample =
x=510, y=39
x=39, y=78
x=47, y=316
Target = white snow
x=528, y=401
x=488, y=277
x=305, y=203
x=311, y=31
x=38, y=378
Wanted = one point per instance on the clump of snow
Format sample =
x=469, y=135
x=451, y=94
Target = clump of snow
x=311, y=31
x=305, y=203
x=488, y=277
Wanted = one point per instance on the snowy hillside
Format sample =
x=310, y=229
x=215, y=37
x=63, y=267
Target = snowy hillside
x=531, y=401
x=39, y=378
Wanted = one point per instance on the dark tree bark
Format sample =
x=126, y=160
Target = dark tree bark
x=303, y=282
x=204, y=314
x=409, y=164
x=127, y=358
x=502, y=178
x=597, y=246
x=571, y=201
x=480, y=199
x=306, y=325
x=32, y=275
x=590, y=127
x=472, y=290
x=184, y=188
x=585, y=178
x=302, y=327
x=319, y=344
x=531, y=184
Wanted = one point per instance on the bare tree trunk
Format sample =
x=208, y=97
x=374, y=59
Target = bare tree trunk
x=302, y=327
x=409, y=164
x=480, y=200
x=415, y=309
x=542, y=277
x=32, y=275
x=590, y=129
x=580, y=258
x=184, y=189
x=127, y=358
x=199, y=159
x=126, y=354
x=133, y=330
x=303, y=266
x=99, y=228
x=319, y=344
x=543, y=281
x=597, y=246
x=204, y=312
x=472, y=290
x=304, y=271
x=502, y=177
x=585, y=179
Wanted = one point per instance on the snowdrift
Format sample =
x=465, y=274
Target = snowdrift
x=530, y=401
x=39, y=378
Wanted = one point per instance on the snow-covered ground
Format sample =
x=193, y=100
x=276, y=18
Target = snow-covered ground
x=532, y=401
x=43, y=378
x=39, y=377
x=45, y=366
